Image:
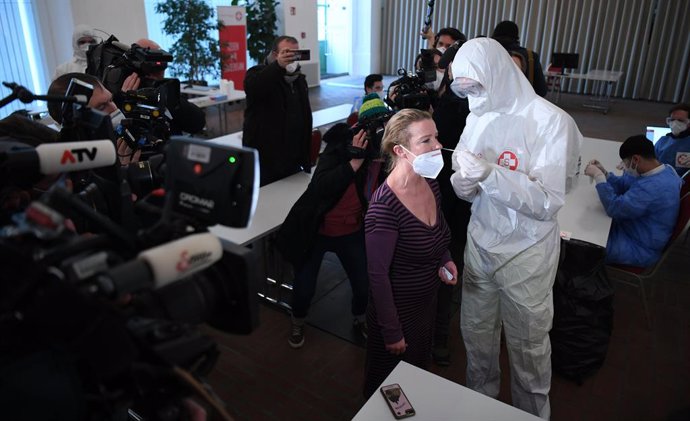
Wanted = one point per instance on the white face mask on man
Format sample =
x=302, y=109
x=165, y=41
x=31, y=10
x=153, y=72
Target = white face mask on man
x=428, y=165
x=677, y=126
x=116, y=117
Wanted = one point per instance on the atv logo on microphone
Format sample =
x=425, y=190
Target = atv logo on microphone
x=188, y=263
x=189, y=200
x=82, y=154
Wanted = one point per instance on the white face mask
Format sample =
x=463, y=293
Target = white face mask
x=428, y=164
x=441, y=50
x=677, y=127
x=292, y=67
x=436, y=83
x=381, y=94
x=116, y=117
x=628, y=169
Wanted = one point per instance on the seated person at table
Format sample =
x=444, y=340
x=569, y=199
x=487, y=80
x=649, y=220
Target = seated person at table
x=329, y=216
x=642, y=203
x=674, y=148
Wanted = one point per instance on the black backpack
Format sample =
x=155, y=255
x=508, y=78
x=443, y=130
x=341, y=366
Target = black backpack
x=583, y=311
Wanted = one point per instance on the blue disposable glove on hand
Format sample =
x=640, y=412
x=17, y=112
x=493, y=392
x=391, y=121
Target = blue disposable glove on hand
x=473, y=168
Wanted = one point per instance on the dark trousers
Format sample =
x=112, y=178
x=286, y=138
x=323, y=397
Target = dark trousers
x=350, y=250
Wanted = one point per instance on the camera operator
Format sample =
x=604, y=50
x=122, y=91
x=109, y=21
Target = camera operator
x=101, y=100
x=277, y=120
x=186, y=117
x=444, y=38
x=329, y=215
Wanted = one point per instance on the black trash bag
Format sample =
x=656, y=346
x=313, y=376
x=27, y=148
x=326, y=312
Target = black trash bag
x=583, y=311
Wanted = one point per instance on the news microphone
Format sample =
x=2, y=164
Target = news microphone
x=55, y=158
x=24, y=164
x=163, y=265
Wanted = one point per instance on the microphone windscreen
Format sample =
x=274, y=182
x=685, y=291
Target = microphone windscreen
x=55, y=158
x=180, y=258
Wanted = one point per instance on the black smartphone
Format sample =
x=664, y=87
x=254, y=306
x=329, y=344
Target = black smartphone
x=302, y=55
x=398, y=403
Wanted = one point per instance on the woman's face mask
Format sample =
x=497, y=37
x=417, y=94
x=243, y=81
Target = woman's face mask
x=428, y=164
x=436, y=84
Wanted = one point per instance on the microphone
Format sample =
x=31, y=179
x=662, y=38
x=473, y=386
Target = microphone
x=55, y=158
x=163, y=265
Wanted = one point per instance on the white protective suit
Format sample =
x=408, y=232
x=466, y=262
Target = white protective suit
x=78, y=62
x=532, y=149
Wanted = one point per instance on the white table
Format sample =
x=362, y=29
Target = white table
x=604, y=83
x=197, y=90
x=275, y=201
x=435, y=398
x=221, y=100
x=330, y=115
x=583, y=216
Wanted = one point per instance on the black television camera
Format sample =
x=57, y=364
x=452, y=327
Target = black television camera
x=98, y=326
x=112, y=62
x=411, y=90
x=374, y=128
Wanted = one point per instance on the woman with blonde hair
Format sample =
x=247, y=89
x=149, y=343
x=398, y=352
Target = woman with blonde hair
x=407, y=242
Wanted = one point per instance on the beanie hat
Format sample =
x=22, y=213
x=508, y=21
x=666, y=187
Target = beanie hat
x=506, y=29
x=372, y=106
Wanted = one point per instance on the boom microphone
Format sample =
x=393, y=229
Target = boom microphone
x=163, y=265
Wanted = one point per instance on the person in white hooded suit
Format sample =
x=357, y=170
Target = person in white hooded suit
x=83, y=37
x=515, y=160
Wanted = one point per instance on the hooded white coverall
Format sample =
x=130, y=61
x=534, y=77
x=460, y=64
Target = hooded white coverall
x=532, y=149
x=78, y=62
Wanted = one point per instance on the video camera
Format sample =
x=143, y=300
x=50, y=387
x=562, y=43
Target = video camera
x=374, y=128
x=114, y=312
x=112, y=62
x=411, y=90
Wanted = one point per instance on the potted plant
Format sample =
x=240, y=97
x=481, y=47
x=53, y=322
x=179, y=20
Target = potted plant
x=261, y=26
x=195, y=51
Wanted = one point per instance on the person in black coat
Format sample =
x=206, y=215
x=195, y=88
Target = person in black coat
x=277, y=120
x=506, y=33
x=329, y=217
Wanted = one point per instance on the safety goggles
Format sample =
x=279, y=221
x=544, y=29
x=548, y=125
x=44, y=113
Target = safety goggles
x=669, y=120
x=464, y=87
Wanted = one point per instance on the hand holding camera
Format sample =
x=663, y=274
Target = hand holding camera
x=359, y=143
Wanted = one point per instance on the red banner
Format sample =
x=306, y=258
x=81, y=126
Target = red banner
x=233, y=44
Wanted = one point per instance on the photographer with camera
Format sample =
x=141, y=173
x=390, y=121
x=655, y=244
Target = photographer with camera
x=101, y=100
x=277, y=120
x=186, y=117
x=329, y=215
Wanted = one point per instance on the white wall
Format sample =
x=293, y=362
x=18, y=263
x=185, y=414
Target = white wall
x=303, y=26
x=55, y=20
x=126, y=19
x=366, y=37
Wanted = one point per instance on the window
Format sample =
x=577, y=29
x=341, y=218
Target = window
x=19, y=62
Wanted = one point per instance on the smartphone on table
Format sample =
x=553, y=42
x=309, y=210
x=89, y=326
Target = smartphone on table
x=397, y=401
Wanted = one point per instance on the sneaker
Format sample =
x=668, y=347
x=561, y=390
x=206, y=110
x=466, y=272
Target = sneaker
x=296, y=339
x=360, y=327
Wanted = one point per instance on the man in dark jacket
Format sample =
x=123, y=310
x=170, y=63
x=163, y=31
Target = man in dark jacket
x=277, y=120
x=506, y=33
x=329, y=216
